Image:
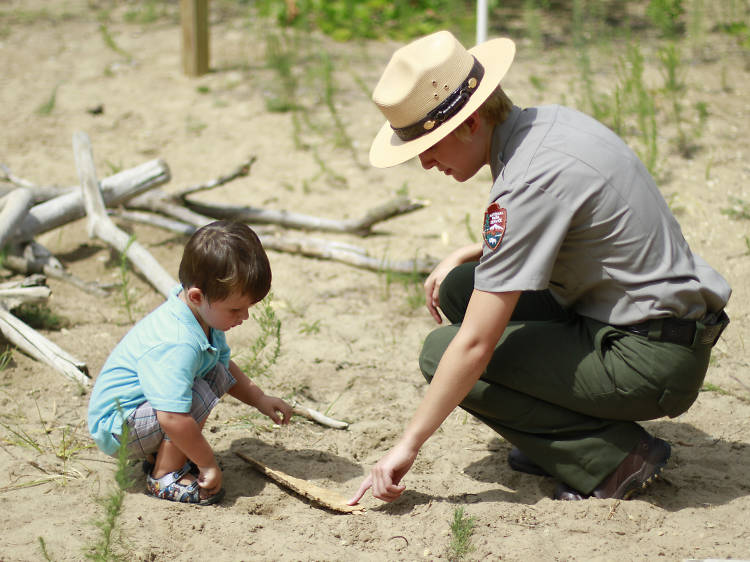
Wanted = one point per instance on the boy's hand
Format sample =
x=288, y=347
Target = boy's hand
x=210, y=479
x=272, y=407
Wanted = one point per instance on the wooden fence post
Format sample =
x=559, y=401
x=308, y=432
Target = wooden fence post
x=195, y=54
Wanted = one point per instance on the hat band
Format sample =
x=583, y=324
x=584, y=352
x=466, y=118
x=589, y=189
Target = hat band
x=446, y=109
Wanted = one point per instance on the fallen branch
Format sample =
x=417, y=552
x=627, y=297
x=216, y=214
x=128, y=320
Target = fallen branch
x=115, y=190
x=361, y=226
x=317, y=495
x=11, y=298
x=36, y=258
x=37, y=346
x=345, y=253
x=241, y=171
x=100, y=225
x=15, y=206
x=322, y=419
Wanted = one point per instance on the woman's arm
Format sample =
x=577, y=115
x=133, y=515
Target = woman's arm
x=460, y=367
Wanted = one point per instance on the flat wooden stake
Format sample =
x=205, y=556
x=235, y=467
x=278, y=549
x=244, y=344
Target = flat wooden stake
x=317, y=495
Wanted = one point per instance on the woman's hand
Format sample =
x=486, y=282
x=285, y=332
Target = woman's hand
x=435, y=279
x=385, y=477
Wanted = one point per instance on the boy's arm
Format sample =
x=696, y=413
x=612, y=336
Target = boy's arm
x=186, y=435
x=250, y=393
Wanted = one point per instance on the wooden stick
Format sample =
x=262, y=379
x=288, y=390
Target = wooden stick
x=15, y=205
x=69, y=207
x=241, y=171
x=322, y=419
x=288, y=219
x=317, y=495
x=11, y=298
x=37, y=346
x=36, y=258
x=101, y=226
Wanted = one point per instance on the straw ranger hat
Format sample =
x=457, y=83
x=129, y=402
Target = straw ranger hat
x=429, y=88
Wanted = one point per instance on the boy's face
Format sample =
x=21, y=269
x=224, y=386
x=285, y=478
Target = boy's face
x=219, y=314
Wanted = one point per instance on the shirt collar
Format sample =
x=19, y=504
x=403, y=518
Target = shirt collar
x=500, y=136
x=184, y=315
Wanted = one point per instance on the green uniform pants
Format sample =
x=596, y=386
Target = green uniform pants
x=566, y=389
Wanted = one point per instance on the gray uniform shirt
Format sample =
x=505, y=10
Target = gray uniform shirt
x=581, y=216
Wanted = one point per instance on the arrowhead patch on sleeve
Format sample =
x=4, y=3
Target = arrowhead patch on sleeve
x=495, y=219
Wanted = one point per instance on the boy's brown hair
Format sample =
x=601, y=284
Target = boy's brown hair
x=225, y=257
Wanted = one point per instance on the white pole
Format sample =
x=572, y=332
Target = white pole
x=481, y=21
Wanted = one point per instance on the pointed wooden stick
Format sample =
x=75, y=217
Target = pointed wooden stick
x=319, y=496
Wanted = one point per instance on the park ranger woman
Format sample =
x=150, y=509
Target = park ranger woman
x=582, y=311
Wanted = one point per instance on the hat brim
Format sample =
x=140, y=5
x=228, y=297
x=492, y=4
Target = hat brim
x=387, y=149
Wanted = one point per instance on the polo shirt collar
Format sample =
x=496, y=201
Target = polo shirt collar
x=500, y=136
x=185, y=316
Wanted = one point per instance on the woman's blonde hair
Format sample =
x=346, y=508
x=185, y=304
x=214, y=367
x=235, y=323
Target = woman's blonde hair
x=494, y=111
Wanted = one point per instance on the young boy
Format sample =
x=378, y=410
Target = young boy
x=169, y=371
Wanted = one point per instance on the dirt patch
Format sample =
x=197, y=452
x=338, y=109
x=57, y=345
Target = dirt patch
x=350, y=337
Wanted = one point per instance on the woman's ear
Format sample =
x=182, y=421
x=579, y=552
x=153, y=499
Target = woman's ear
x=472, y=122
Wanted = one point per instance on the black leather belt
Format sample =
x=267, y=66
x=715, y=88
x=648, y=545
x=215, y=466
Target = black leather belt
x=683, y=332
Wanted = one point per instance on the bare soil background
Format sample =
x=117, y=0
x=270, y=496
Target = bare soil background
x=350, y=337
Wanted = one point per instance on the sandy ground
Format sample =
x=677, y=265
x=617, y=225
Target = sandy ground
x=350, y=337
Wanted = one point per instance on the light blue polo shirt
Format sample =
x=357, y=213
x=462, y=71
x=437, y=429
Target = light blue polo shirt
x=157, y=361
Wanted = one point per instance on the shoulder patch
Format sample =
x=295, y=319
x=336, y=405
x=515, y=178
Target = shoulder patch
x=495, y=219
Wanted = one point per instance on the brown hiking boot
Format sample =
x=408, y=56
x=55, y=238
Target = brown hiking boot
x=638, y=470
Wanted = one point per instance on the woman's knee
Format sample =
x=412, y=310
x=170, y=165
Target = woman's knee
x=433, y=348
x=455, y=291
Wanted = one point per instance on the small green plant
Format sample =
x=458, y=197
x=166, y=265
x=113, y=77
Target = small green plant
x=666, y=14
x=66, y=448
x=40, y=317
x=739, y=210
x=6, y=356
x=194, y=126
x=104, y=549
x=125, y=288
x=462, y=529
x=310, y=328
x=49, y=105
x=266, y=349
x=110, y=42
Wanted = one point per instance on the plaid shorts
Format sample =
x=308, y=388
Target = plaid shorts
x=146, y=434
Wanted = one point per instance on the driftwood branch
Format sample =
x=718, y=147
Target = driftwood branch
x=101, y=226
x=35, y=258
x=322, y=419
x=11, y=298
x=14, y=207
x=288, y=219
x=115, y=190
x=317, y=495
x=241, y=171
x=37, y=346
x=345, y=253
x=157, y=201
